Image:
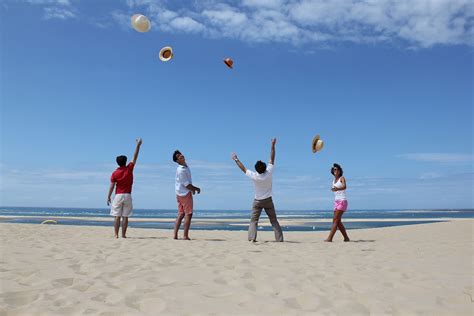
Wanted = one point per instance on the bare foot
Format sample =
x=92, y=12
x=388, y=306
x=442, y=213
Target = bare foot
x=187, y=238
x=123, y=236
x=327, y=240
x=347, y=240
x=175, y=237
x=116, y=236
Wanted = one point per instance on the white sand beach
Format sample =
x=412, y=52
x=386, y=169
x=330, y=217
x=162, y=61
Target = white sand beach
x=422, y=269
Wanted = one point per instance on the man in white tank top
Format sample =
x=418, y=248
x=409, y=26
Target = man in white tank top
x=262, y=181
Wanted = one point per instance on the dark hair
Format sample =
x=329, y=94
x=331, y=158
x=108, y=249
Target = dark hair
x=260, y=166
x=175, y=155
x=335, y=165
x=121, y=160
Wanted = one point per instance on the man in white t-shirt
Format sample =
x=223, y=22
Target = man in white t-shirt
x=262, y=180
x=185, y=190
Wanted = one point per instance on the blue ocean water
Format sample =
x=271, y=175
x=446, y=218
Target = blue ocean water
x=150, y=218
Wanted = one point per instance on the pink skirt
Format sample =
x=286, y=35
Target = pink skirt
x=340, y=205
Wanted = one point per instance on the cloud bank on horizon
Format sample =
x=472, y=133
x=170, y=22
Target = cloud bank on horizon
x=415, y=24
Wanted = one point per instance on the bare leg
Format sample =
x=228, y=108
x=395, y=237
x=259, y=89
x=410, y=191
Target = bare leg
x=187, y=224
x=116, y=225
x=335, y=224
x=342, y=229
x=124, y=227
x=178, y=224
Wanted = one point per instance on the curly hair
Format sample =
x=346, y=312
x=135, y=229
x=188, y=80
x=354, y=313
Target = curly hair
x=337, y=166
x=175, y=155
x=260, y=167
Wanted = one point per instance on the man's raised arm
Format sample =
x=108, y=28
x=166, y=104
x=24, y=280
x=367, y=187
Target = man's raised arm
x=272, y=153
x=239, y=164
x=137, y=150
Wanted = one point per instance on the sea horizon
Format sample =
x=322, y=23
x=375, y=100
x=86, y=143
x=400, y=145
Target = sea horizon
x=291, y=220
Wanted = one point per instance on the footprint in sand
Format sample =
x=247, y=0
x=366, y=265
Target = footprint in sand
x=91, y=311
x=292, y=303
x=131, y=301
x=152, y=306
x=99, y=298
x=114, y=274
x=220, y=281
x=63, y=282
x=166, y=282
x=348, y=286
x=247, y=275
x=250, y=286
x=75, y=267
x=17, y=299
x=81, y=287
x=218, y=294
x=28, y=273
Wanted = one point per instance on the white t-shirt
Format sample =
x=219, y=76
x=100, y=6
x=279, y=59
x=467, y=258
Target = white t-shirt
x=183, y=179
x=262, y=182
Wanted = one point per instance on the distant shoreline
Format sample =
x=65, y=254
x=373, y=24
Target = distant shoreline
x=282, y=219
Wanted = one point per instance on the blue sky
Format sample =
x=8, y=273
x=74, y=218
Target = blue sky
x=387, y=84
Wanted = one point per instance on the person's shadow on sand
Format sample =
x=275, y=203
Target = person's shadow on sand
x=213, y=239
x=147, y=237
x=363, y=240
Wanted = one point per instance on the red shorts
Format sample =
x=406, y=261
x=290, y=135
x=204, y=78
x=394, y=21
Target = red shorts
x=340, y=205
x=185, y=203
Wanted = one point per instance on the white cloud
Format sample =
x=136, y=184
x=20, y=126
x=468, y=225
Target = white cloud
x=186, y=24
x=55, y=9
x=58, y=13
x=122, y=19
x=418, y=24
x=421, y=23
x=438, y=157
x=263, y=3
x=50, y=2
x=429, y=175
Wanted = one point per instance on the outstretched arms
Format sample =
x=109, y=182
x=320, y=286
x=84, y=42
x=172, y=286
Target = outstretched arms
x=137, y=150
x=239, y=164
x=272, y=152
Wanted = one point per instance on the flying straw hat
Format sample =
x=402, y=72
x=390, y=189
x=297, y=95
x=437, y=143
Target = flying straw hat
x=317, y=144
x=229, y=62
x=140, y=23
x=166, y=53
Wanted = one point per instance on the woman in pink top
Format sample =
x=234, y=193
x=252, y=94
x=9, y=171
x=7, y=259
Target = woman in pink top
x=340, y=202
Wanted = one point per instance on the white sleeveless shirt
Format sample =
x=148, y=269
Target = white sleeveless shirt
x=339, y=195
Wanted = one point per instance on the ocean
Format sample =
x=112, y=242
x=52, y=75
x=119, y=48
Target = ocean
x=310, y=220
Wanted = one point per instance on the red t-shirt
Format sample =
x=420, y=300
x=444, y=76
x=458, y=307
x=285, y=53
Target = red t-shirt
x=123, y=176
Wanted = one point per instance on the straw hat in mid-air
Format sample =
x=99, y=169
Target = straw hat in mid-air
x=140, y=23
x=166, y=53
x=317, y=144
x=229, y=62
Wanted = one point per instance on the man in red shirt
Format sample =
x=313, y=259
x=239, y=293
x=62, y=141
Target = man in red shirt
x=122, y=179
